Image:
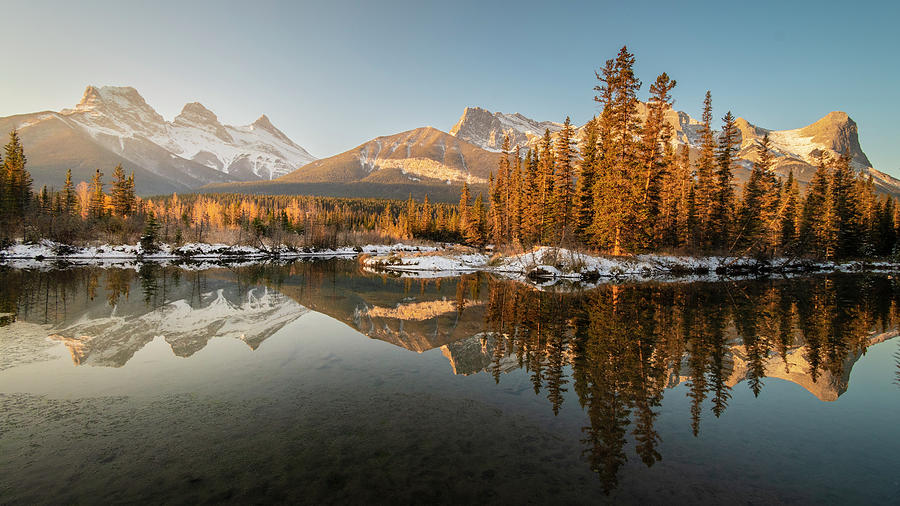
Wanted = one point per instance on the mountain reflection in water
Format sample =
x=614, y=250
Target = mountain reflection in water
x=617, y=348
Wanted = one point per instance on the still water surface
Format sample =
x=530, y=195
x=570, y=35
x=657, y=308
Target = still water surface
x=316, y=382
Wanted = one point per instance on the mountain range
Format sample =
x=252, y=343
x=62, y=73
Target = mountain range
x=794, y=150
x=196, y=152
x=113, y=125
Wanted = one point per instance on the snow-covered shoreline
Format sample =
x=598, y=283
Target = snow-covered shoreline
x=549, y=264
x=48, y=251
x=543, y=265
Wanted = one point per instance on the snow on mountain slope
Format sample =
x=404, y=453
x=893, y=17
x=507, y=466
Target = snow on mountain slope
x=797, y=149
x=120, y=120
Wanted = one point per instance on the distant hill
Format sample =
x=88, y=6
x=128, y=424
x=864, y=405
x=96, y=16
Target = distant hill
x=418, y=162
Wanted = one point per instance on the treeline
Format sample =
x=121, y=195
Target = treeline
x=626, y=189
x=298, y=220
x=86, y=212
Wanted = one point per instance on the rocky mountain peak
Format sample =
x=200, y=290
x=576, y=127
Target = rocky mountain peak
x=195, y=112
x=114, y=97
x=487, y=130
x=196, y=115
x=263, y=123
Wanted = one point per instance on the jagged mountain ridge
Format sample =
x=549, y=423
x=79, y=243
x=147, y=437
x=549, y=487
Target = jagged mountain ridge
x=116, y=125
x=486, y=129
x=795, y=149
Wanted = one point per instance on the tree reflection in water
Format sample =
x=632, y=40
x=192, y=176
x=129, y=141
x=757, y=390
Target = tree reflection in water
x=614, y=348
x=627, y=344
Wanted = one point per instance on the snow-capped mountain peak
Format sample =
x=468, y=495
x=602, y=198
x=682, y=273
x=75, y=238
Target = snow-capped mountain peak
x=195, y=115
x=121, y=120
x=797, y=149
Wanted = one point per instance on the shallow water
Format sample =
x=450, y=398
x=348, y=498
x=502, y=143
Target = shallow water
x=315, y=382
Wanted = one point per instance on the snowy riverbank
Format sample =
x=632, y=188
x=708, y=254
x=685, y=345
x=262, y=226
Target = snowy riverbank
x=542, y=265
x=45, y=251
x=546, y=263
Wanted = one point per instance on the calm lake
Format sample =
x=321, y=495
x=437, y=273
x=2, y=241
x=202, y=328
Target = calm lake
x=317, y=382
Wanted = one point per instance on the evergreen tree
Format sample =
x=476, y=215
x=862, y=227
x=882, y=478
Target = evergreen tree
x=679, y=218
x=16, y=185
x=565, y=171
x=722, y=204
x=841, y=232
x=499, y=197
x=516, y=199
x=790, y=203
x=465, y=219
x=750, y=216
x=475, y=232
x=546, y=180
x=584, y=187
x=616, y=196
x=97, y=203
x=69, y=200
x=151, y=234
x=770, y=203
x=121, y=193
x=531, y=208
x=656, y=157
x=814, y=209
x=705, y=189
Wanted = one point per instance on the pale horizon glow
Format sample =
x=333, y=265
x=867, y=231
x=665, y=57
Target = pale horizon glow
x=334, y=75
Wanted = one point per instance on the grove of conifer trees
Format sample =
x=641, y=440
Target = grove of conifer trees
x=87, y=212
x=626, y=189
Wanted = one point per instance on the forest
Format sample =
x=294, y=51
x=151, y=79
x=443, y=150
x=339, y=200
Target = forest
x=623, y=188
x=87, y=212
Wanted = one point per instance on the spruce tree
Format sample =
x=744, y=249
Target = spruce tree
x=463, y=212
x=151, y=234
x=656, y=157
x=546, y=178
x=562, y=186
x=722, y=204
x=475, y=232
x=616, y=195
x=97, y=204
x=516, y=198
x=814, y=208
x=770, y=204
x=790, y=203
x=584, y=187
x=120, y=194
x=750, y=217
x=531, y=208
x=70, y=200
x=846, y=213
x=17, y=183
x=705, y=167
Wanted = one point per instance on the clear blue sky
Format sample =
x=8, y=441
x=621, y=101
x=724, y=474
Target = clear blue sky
x=333, y=74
